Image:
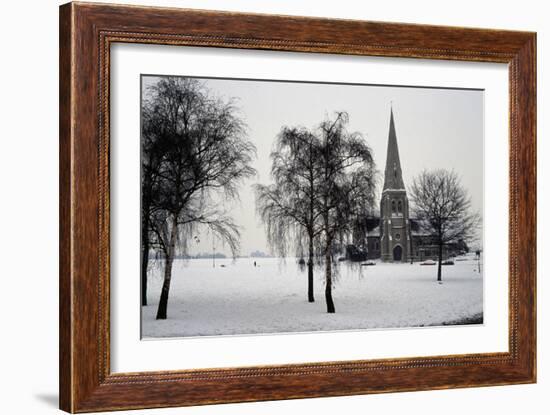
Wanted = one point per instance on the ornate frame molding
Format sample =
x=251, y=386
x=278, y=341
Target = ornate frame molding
x=86, y=34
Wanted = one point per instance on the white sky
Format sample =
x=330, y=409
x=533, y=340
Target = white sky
x=436, y=128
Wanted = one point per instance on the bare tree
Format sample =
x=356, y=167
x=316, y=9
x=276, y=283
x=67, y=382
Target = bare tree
x=324, y=182
x=443, y=208
x=287, y=207
x=346, y=174
x=153, y=149
x=205, y=157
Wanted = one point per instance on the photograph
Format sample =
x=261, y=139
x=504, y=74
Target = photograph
x=273, y=206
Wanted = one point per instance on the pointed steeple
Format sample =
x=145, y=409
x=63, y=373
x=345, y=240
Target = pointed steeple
x=393, y=177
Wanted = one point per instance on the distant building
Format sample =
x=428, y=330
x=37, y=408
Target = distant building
x=394, y=236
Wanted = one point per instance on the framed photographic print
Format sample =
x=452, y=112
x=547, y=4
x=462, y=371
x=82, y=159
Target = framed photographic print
x=258, y=207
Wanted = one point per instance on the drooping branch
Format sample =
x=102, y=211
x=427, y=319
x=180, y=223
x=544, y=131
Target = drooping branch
x=323, y=187
x=195, y=153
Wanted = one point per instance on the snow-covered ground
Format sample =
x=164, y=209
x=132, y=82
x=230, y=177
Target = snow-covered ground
x=239, y=298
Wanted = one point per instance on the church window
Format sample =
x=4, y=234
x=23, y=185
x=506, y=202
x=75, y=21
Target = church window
x=397, y=236
x=393, y=206
x=399, y=207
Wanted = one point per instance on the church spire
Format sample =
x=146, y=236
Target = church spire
x=393, y=177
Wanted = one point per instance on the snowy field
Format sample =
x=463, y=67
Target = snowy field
x=239, y=298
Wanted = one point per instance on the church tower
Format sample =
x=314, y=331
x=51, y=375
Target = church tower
x=394, y=207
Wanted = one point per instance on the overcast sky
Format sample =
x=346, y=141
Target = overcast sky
x=436, y=128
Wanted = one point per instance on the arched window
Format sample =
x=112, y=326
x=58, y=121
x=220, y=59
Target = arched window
x=399, y=207
x=393, y=206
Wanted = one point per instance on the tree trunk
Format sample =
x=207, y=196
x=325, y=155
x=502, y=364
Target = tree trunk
x=310, y=296
x=328, y=281
x=410, y=244
x=440, y=259
x=163, y=303
x=144, y=257
x=310, y=229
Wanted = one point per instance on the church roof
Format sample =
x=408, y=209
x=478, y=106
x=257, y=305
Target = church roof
x=393, y=176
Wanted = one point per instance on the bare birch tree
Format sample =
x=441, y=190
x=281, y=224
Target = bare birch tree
x=287, y=207
x=324, y=180
x=347, y=180
x=205, y=157
x=153, y=149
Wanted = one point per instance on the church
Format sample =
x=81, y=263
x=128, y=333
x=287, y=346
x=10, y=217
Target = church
x=395, y=236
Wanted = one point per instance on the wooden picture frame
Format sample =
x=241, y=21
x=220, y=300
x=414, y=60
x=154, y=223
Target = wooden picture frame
x=86, y=33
